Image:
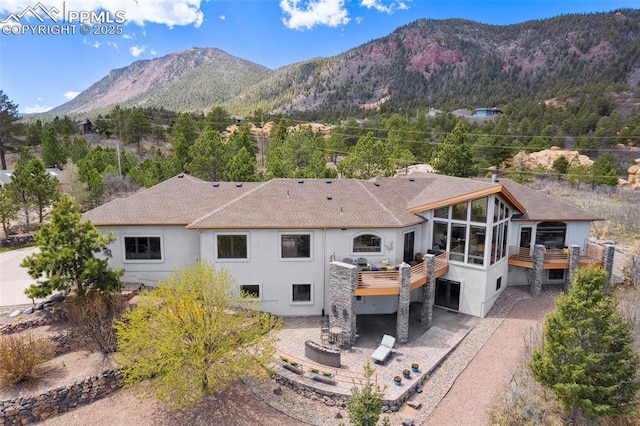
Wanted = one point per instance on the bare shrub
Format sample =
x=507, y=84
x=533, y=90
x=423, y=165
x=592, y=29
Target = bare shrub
x=525, y=401
x=93, y=318
x=22, y=357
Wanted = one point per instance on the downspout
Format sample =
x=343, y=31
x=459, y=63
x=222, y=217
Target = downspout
x=324, y=266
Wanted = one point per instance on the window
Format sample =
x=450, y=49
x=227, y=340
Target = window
x=439, y=237
x=301, y=293
x=295, y=246
x=442, y=212
x=142, y=248
x=479, y=210
x=556, y=274
x=500, y=231
x=459, y=211
x=476, y=244
x=498, y=283
x=458, y=242
x=551, y=234
x=232, y=247
x=252, y=291
x=367, y=244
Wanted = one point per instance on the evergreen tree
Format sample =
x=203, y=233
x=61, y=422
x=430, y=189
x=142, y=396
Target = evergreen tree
x=42, y=186
x=136, y=127
x=366, y=402
x=208, y=156
x=8, y=210
x=241, y=167
x=66, y=259
x=369, y=158
x=20, y=186
x=603, y=171
x=587, y=356
x=8, y=128
x=53, y=152
x=455, y=157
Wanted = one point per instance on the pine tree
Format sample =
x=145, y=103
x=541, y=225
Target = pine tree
x=366, y=402
x=455, y=157
x=588, y=356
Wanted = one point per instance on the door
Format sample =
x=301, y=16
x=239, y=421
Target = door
x=525, y=236
x=447, y=294
x=409, y=239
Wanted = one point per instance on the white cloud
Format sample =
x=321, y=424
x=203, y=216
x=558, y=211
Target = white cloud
x=136, y=50
x=331, y=13
x=127, y=37
x=35, y=109
x=96, y=44
x=70, y=95
x=168, y=12
x=113, y=44
x=153, y=52
x=223, y=17
x=381, y=7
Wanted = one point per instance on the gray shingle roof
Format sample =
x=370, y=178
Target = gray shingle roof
x=544, y=206
x=313, y=203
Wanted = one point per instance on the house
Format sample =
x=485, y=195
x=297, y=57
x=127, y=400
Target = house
x=85, y=126
x=283, y=239
x=6, y=175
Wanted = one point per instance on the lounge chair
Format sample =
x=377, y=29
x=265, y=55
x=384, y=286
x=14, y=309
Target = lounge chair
x=384, y=350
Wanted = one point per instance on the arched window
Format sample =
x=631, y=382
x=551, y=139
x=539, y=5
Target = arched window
x=367, y=243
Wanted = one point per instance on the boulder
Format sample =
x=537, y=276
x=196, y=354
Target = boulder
x=15, y=313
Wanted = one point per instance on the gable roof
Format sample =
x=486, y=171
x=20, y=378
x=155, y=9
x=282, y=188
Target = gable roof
x=316, y=203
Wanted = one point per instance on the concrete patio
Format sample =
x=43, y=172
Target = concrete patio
x=426, y=347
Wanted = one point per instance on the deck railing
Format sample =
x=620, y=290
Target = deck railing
x=391, y=279
x=593, y=253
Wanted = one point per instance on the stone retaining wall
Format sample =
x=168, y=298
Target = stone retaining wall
x=59, y=400
x=46, y=319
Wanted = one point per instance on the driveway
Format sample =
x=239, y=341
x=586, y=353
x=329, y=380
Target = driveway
x=14, y=279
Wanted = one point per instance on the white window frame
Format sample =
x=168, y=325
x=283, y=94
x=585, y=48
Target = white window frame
x=232, y=259
x=295, y=259
x=371, y=253
x=305, y=302
x=260, y=295
x=124, y=248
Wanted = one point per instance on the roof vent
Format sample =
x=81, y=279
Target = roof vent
x=238, y=185
x=376, y=183
x=329, y=197
x=328, y=181
x=216, y=184
x=412, y=180
x=301, y=181
x=181, y=175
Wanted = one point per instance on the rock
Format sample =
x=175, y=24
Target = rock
x=419, y=389
x=278, y=391
x=328, y=401
x=407, y=422
x=28, y=311
x=414, y=405
x=394, y=408
x=39, y=306
x=338, y=415
x=15, y=313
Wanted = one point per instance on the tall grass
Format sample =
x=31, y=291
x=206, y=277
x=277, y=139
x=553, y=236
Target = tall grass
x=22, y=357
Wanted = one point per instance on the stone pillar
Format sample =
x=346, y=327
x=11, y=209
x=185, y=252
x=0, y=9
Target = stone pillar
x=538, y=270
x=609, y=252
x=402, y=333
x=574, y=261
x=343, y=280
x=429, y=291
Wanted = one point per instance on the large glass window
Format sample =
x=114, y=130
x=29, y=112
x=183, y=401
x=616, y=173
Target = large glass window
x=367, y=243
x=551, y=234
x=479, y=210
x=458, y=229
x=439, y=244
x=500, y=231
x=232, y=246
x=476, y=244
x=142, y=248
x=458, y=242
x=295, y=246
x=301, y=293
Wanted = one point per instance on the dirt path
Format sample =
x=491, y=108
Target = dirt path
x=475, y=390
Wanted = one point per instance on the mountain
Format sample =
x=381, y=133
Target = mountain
x=429, y=63
x=190, y=80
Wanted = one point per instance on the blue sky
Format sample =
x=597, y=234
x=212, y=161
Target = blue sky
x=40, y=71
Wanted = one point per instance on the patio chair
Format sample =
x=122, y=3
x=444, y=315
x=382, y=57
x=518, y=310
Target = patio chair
x=348, y=260
x=383, y=352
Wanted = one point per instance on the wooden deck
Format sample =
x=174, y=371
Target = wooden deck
x=555, y=258
x=386, y=283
